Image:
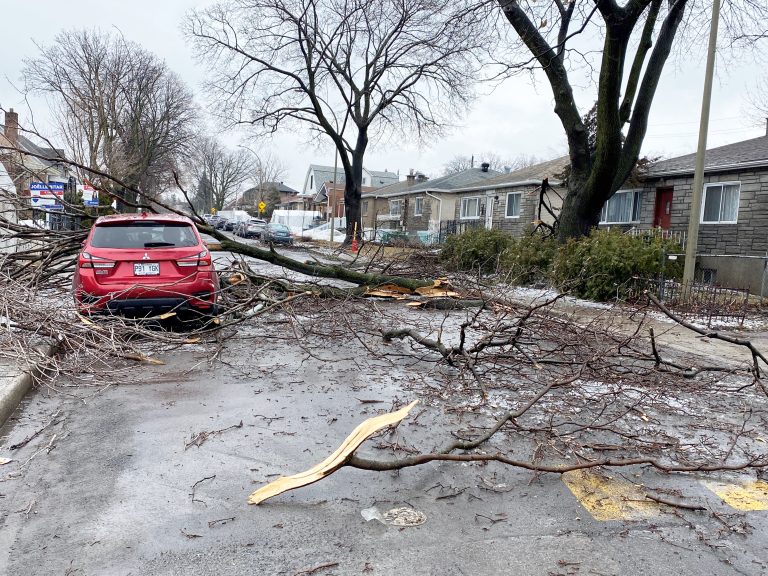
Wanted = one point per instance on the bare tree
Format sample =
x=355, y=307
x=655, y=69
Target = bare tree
x=119, y=108
x=757, y=103
x=496, y=162
x=268, y=171
x=221, y=171
x=637, y=38
x=349, y=69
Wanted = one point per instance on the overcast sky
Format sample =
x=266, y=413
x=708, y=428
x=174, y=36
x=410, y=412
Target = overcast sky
x=516, y=119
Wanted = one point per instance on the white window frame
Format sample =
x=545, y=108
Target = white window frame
x=462, y=210
x=365, y=207
x=704, y=202
x=399, y=204
x=519, y=201
x=418, y=206
x=636, y=203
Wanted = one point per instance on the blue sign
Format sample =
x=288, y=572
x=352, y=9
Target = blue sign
x=52, y=186
x=91, y=202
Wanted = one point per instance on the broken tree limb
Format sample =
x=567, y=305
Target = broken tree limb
x=756, y=354
x=310, y=268
x=335, y=461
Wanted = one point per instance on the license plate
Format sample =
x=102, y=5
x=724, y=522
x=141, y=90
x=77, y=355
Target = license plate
x=146, y=269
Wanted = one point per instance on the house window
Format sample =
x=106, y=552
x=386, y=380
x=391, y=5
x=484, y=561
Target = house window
x=418, y=206
x=470, y=208
x=395, y=207
x=622, y=208
x=311, y=181
x=513, y=205
x=365, y=207
x=720, y=204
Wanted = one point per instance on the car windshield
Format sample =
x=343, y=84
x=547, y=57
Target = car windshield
x=143, y=234
x=279, y=227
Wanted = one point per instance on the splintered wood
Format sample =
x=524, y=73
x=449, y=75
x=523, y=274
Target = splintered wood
x=335, y=461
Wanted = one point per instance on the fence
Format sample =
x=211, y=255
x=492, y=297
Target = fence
x=699, y=302
x=452, y=227
x=675, y=236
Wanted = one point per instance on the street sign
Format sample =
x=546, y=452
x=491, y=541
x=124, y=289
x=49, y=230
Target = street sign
x=262, y=206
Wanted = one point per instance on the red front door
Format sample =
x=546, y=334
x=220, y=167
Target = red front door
x=662, y=214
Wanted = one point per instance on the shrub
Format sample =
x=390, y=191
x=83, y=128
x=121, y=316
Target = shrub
x=529, y=258
x=475, y=249
x=602, y=265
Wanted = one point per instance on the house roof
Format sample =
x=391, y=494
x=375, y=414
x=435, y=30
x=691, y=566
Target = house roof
x=744, y=154
x=451, y=182
x=27, y=145
x=535, y=173
x=325, y=174
x=282, y=188
x=476, y=179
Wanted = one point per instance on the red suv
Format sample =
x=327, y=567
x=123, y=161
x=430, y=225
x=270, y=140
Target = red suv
x=139, y=264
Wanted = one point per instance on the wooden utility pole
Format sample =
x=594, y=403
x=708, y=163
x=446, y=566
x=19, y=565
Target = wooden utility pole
x=698, y=177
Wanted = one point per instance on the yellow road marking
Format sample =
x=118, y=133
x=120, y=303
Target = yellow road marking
x=746, y=496
x=608, y=498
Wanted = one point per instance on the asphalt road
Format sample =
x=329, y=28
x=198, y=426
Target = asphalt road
x=118, y=493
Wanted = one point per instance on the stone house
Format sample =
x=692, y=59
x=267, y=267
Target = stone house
x=733, y=233
x=418, y=207
x=513, y=202
x=432, y=209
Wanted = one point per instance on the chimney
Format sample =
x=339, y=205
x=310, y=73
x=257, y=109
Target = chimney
x=12, y=127
x=410, y=178
x=421, y=177
x=485, y=166
x=766, y=126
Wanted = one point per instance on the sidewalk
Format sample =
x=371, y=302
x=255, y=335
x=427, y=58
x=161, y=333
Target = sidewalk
x=16, y=378
x=668, y=333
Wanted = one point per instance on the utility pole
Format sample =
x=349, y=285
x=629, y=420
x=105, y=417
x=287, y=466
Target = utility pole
x=698, y=177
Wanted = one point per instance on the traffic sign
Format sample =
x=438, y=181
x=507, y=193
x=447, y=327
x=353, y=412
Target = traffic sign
x=262, y=206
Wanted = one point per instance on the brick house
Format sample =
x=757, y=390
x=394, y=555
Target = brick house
x=733, y=234
x=319, y=176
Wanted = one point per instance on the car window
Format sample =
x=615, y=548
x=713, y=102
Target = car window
x=143, y=234
x=279, y=227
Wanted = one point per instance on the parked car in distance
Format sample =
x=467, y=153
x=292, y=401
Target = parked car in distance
x=221, y=223
x=252, y=228
x=141, y=264
x=229, y=225
x=277, y=234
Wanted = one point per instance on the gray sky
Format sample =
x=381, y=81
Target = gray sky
x=515, y=119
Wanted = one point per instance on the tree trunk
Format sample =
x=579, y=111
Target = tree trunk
x=581, y=207
x=353, y=189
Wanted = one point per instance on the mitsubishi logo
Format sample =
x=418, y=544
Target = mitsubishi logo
x=145, y=257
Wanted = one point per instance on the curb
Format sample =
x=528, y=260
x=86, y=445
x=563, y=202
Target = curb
x=11, y=394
